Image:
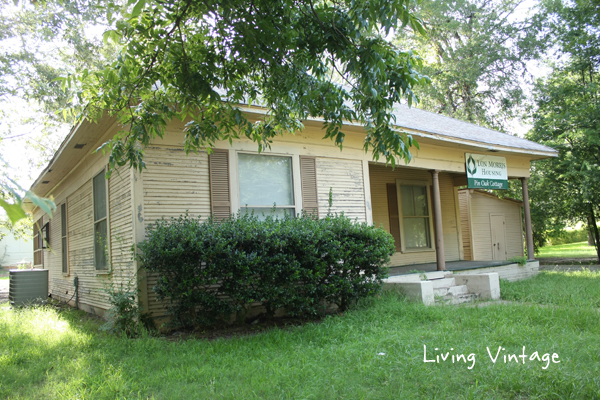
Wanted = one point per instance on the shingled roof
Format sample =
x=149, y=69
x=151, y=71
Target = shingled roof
x=450, y=129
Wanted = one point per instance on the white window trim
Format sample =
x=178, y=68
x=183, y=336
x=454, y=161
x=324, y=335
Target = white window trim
x=427, y=184
x=108, y=269
x=65, y=237
x=235, y=180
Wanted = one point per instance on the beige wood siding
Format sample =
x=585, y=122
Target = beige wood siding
x=465, y=223
x=81, y=249
x=380, y=176
x=58, y=284
x=482, y=206
x=80, y=237
x=345, y=179
x=173, y=183
x=121, y=227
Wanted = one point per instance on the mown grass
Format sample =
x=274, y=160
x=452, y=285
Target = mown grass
x=45, y=354
x=568, y=288
x=571, y=250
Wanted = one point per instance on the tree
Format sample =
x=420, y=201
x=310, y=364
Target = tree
x=39, y=42
x=476, y=53
x=567, y=118
x=200, y=60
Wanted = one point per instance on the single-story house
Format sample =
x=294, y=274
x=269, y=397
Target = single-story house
x=417, y=203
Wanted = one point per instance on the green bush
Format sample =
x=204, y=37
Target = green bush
x=210, y=271
x=124, y=317
x=568, y=236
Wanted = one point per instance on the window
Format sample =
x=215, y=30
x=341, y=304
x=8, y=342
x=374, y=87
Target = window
x=416, y=218
x=266, y=185
x=100, y=222
x=38, y=243
x=63, y=234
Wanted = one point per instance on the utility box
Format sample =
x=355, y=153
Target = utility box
x=27, y=286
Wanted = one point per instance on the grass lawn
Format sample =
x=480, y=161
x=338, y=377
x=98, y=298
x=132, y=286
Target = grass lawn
x=373, y=352
x=571, y=250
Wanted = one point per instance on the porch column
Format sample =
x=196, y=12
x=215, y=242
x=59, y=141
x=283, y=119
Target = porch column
x=527, y=212
x=437, y=219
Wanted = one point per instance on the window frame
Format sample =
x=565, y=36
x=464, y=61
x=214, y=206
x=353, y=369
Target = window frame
x=64, y=239
x=38, y=247
x=296, y=193
x=427, y=185
x=94, y=222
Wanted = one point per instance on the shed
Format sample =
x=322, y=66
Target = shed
x=491, y=227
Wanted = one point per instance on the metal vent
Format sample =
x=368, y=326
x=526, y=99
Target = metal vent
x=44, y=182
x=27, y=286
x=80, y=145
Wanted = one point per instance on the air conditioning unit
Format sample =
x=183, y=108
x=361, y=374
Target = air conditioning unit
x=27, y=286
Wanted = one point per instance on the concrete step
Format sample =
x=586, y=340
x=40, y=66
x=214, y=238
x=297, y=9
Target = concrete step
x=452, y=290
x=435, y=275
x=458, y=299
x=458, y=290
x=444, y=282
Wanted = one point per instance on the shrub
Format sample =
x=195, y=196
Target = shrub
x=124, y=316
x=568, y=236
x=521, y=260
x=212, y=270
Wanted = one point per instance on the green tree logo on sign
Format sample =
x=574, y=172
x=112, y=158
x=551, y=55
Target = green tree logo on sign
x=471, y=166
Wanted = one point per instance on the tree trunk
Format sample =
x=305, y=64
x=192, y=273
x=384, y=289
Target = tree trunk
x=590, y=233
x=594, y=229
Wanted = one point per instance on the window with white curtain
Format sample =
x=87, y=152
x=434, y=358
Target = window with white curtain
x=266, y=185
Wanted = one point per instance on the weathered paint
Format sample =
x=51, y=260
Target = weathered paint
x=80, y=236
x=345, y=180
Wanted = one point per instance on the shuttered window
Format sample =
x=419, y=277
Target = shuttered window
x=266, y=185
x=63, y=235
x=308, y=174
x=100, y=222
x=220, y=198
x=392, y=197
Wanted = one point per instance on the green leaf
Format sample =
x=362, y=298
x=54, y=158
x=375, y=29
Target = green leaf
x=14, y=211
x=44, y=203
x=137, y=9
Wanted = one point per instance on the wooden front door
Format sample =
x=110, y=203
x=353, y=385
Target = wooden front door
x=498, y=237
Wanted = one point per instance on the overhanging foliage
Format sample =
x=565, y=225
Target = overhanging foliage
x=197, y=61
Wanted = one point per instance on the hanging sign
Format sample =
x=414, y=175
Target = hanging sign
x=486, y=172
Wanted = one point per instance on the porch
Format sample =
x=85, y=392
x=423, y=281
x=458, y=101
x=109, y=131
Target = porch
x=508, y=270
x=463, y=282
x=420, y=209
